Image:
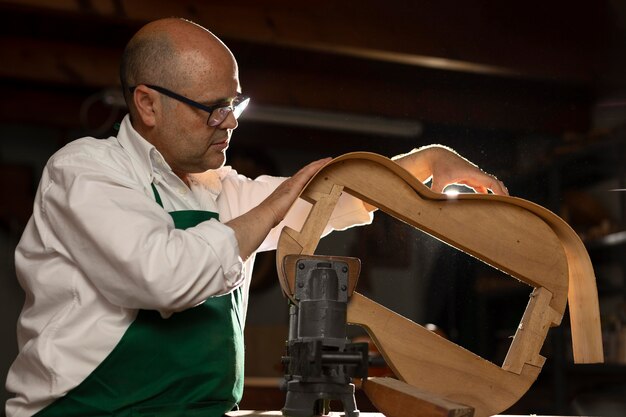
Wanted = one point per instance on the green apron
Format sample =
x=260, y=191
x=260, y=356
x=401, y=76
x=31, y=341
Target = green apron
x=188, y=365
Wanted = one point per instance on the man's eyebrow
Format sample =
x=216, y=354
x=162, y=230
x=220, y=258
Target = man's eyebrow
x=220, y=100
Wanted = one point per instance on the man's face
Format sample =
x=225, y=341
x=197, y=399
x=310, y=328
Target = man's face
x=188, y=143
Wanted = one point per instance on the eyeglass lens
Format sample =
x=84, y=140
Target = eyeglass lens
x=218, y=115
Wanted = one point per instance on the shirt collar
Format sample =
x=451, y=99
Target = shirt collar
x=210, y=180
x=150, y=161
x=144, y=155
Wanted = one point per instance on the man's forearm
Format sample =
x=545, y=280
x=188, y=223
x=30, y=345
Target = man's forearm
x=251, y=228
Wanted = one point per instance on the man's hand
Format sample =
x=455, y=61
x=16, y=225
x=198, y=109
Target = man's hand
x=446, y=167
x=253, y=227
x=279, y=202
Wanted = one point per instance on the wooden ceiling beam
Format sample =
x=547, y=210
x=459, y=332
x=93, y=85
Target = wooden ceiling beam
x=315, y=81
x=58, y=62
x=475, y=37
x=36, y=104
x=310, y=79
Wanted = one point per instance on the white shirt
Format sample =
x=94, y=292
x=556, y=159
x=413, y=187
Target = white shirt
x=98, y=248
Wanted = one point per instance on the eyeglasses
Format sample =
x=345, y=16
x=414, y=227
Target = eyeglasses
x=217, y=113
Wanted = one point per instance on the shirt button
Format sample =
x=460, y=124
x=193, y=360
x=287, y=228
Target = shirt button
x=182, y=191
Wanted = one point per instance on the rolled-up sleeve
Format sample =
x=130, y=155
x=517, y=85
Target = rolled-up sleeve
x=222, y=241
x=348, y=212
x=127, y=246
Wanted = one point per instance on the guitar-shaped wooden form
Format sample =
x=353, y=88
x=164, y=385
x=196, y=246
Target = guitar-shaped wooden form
x=525, y=240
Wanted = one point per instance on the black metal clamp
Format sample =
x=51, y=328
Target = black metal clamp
x=320, y=363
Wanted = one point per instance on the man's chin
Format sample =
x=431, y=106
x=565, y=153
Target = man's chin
x=216, y=161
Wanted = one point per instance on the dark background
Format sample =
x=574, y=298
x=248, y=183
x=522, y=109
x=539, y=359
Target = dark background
x=533, y=91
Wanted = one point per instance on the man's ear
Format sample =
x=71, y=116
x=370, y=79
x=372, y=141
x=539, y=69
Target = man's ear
x=146, y=103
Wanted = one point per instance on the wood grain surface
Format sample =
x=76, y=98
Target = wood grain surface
x=525, y=240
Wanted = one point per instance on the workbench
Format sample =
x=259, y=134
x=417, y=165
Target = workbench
x=248, y=413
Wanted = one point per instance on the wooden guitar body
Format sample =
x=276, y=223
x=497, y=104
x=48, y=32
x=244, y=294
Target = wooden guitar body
x=513, y=235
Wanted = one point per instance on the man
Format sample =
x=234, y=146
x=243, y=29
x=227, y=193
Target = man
x=137, y=260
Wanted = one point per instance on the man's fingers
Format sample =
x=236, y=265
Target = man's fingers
x=283, y=197
x=437, y=186
x=490, y=183
x=305, y=174
x=497, y=187
x=505, y=191
x=481, y=189
x=481, y=184
x=314, y=166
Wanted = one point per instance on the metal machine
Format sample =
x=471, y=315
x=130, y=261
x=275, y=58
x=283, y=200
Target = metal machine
x=320, y=363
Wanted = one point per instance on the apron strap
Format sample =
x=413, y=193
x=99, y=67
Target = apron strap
x=186, y=218
x=157, y=197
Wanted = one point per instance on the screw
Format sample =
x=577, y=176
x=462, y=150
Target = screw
x=344, y=269
x=343, y=287
x=300, y=284
x=301, y=265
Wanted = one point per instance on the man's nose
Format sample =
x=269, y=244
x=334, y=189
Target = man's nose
x=230, y=122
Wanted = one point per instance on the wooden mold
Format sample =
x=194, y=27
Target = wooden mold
x=525, y=240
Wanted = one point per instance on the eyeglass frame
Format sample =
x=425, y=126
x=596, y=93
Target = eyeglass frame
x=237, y=101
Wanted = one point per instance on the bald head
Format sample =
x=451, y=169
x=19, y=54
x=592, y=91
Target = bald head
x=173, y=53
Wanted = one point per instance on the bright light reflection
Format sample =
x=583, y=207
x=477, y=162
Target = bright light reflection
x=454, y=190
